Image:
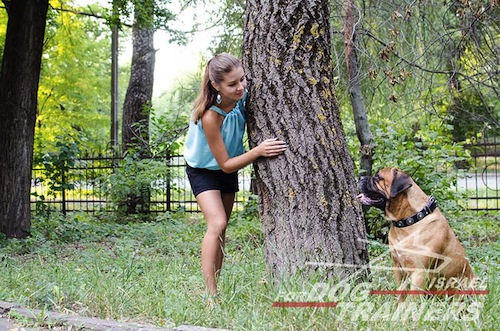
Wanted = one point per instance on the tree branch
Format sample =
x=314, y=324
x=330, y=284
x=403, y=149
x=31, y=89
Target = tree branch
x=91, y=14
x=424, y=69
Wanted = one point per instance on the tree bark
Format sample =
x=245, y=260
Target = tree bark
x=136, y=109
x=18, y=107
x=308, y=209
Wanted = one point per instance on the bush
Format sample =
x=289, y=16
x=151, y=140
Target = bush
x=133, y=181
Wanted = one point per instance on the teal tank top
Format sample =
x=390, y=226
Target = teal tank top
x=197, y=152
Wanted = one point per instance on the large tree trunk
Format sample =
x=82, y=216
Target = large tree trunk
x=308, y=205
x=18, y=105
x=136, y=109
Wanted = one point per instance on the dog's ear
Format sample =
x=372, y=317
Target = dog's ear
x=401, y=182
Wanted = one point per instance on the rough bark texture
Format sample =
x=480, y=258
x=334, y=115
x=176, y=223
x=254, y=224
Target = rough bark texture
x=355, y=92
x=307, y=195
x=135, y=128
x=18, y=105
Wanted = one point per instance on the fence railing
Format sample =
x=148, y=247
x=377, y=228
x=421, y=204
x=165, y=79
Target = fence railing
x=481, y=179
x=96, y=183
x=104, y=183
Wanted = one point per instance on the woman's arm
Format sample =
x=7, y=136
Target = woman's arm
x=212, y=123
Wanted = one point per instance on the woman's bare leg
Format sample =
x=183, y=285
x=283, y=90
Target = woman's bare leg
x=215, y=208
x=228, y=202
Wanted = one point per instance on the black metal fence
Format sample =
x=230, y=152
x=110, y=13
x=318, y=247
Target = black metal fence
x=481, y=180
x=97, y=183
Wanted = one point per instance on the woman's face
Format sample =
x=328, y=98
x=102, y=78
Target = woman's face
x=233, y=85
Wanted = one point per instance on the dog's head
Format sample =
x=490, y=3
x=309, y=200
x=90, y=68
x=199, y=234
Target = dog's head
x=386, y=184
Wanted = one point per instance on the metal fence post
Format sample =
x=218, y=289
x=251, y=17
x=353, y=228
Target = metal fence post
x=168, y=193
x=63, y=191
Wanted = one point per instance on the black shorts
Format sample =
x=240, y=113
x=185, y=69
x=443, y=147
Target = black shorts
x=202, y=180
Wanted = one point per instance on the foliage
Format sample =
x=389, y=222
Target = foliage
x=166, y=134
x=398, y=82
x=170, y=116
x=132, y=181
x=3, y=29
x=167, y=131
x=427, y=155
x=58, y=163
x=74, y=84
x=229, y=14
x=163, y=16
x=411, y=54
x=244, y=225
x=150, y=273
x=408, y=51
x=471, y=115
x=428, y=87
x=56, y=166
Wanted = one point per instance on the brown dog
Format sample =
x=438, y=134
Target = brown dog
x=424, y=249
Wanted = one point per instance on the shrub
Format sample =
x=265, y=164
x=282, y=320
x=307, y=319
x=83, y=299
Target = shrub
x=133, y=181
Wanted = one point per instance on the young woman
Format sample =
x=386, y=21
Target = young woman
x=214, y=153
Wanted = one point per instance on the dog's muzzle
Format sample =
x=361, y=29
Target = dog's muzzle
x=370, y=195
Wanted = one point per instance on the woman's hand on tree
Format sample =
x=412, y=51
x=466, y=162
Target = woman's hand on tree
x=271, y=147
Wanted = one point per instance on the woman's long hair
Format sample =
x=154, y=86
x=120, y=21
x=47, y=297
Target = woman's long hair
x=215, y=70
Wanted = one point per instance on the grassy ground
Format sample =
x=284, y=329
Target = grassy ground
x=149, y=272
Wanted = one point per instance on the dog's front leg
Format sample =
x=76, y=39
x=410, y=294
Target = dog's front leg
x=400, y=277
x=397, y=270
x=417, y=280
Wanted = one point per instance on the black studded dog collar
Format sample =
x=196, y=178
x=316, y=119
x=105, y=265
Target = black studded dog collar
x=429, y=208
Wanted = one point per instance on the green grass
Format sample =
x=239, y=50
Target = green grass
x=150, y=272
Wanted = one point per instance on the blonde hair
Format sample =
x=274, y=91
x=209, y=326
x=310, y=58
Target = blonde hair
x=215, y=70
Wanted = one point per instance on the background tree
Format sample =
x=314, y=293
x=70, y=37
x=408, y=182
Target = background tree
x=365, y=137
x=307, y=196
x=138, y=99
x=19, y=79
x=137, y=104
x=148, y=16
